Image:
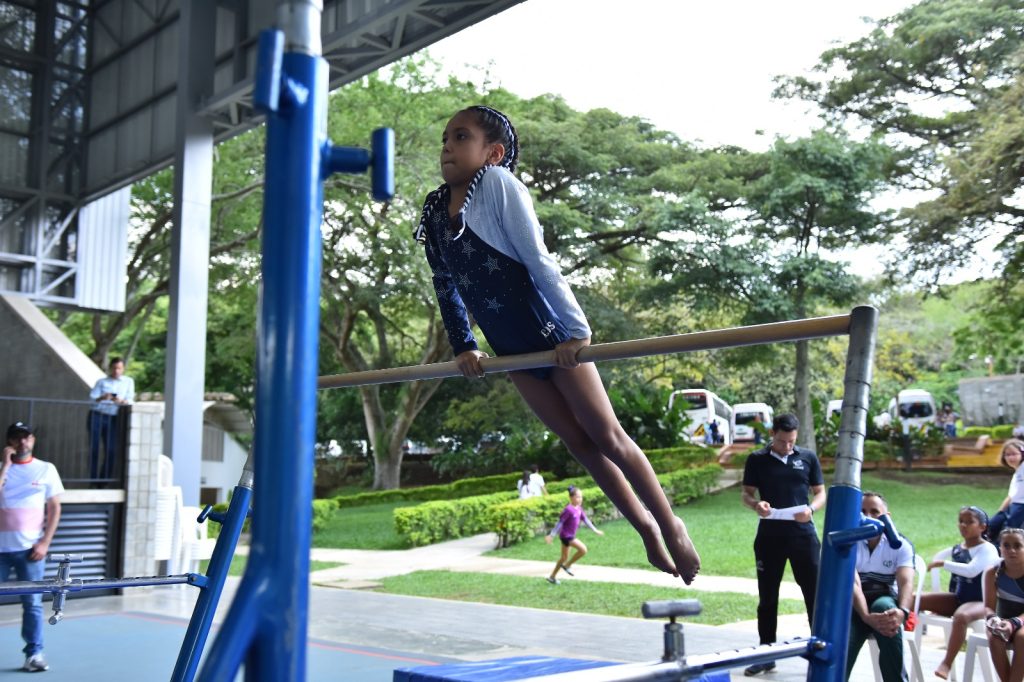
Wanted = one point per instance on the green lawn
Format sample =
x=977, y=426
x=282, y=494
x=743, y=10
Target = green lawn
x=579, y=596
x=924, y=507
x=369, y=527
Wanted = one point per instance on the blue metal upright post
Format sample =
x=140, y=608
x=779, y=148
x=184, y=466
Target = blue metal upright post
x=266, y=625
x=834, y=602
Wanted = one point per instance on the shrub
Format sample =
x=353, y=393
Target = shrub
x=468, y=486
x=683, y=457
x=975, y=431
x=1002, y=432
x=517, y=520
x=439, y=520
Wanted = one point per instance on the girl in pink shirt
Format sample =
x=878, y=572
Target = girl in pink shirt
x=565, y=529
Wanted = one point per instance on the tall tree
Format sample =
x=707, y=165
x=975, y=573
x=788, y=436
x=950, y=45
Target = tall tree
x=797, y=203
x=943, y=82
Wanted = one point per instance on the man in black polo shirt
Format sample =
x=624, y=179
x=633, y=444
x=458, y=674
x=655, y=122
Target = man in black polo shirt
x=778, y=483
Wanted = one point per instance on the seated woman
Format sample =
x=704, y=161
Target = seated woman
x=966, y=561
x=1011, y=511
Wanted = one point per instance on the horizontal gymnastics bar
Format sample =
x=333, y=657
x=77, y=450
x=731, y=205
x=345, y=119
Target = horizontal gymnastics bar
x=774, y=332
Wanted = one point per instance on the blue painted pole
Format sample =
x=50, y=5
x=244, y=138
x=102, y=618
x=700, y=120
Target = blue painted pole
x=834, y=602
x=267, y=623
x=216, y=574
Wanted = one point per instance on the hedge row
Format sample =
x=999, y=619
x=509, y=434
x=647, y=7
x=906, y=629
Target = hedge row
x=465, y=487
x=1000, y=432
x=684, y=457
x=874, y=451
x=322, y=512
x=515, y=520
x=439, y=520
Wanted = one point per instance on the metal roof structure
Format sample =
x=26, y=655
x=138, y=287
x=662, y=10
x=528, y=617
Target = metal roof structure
x=89, y=104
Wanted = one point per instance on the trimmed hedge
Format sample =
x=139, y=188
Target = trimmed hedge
x=1002, y=432
x=515, y=520
x=483, y=485
x=322, y=512
x=439, y=520
x=975, y=431
x=665, y=460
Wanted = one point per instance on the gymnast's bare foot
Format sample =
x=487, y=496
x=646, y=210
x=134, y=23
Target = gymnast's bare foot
x=684, y=554
x=942, y=671
x=657, y=555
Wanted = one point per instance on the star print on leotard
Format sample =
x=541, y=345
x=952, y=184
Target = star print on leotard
x=491, y=264
x=464, y=281
x=467, y=249
x=492, y=304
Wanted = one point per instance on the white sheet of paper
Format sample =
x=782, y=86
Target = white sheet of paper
x=786, y=514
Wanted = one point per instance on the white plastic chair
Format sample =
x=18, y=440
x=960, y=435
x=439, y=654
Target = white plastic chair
x=944, y=622
x=977, y=647
x=196, y=545
x=916, y=671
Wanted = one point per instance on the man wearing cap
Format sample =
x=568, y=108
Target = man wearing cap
x=29, y=511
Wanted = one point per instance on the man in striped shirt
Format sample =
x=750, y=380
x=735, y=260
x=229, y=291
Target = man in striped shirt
x=29, y=511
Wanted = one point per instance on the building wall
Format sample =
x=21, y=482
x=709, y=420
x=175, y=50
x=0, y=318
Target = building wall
x=224, y=475
x=47, y=364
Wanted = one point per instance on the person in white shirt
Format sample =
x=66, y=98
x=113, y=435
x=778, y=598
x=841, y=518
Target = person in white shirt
x=108, y=395
x=883, y=593
x=537, y=486
x=29, y=512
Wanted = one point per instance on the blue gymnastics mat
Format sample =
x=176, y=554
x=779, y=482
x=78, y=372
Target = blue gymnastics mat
x=516, y=668
x=144, y=646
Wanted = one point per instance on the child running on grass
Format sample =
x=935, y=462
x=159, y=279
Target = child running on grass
x=565, y=529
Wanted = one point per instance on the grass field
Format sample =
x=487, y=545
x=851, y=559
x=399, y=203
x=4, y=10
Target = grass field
x=579, y=596
x=369, y=527
x=924, y=508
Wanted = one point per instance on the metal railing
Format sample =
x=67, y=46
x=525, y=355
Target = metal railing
x=63, y=437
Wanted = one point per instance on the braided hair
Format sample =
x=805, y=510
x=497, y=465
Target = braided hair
x=496, y=127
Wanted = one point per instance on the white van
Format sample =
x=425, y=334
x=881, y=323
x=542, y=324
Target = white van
x=744, y=415
x=913, y=407
x=834, y=407
x=703, y=407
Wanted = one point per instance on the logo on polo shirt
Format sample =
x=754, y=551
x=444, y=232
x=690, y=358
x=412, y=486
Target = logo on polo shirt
x=888, y=563
x=798, y=464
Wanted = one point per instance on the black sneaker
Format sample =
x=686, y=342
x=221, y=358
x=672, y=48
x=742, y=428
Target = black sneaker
x=566, y=569
x=759, y=668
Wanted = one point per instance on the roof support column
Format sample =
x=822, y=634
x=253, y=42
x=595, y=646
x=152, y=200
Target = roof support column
x=190, y=248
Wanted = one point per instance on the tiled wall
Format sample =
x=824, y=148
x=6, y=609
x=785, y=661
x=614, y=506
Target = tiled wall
x=144, y=450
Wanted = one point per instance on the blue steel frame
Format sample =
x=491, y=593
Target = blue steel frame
x=266, y=626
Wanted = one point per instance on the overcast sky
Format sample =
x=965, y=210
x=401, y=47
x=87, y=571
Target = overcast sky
x=702, y=70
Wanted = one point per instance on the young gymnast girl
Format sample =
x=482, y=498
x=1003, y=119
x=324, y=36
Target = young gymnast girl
x=565, y=529
x=1004, y=604
x=967, y=562
x=487, y=253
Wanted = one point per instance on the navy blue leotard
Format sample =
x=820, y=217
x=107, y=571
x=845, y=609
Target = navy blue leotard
x=498, y=269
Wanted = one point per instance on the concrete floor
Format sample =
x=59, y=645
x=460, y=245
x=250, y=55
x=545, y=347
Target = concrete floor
x=414, y=630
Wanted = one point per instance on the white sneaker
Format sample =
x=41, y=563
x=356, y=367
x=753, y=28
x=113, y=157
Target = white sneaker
x=35, y=664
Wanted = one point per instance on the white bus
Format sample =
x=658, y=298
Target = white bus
x=704, y=407
x=744, y=415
